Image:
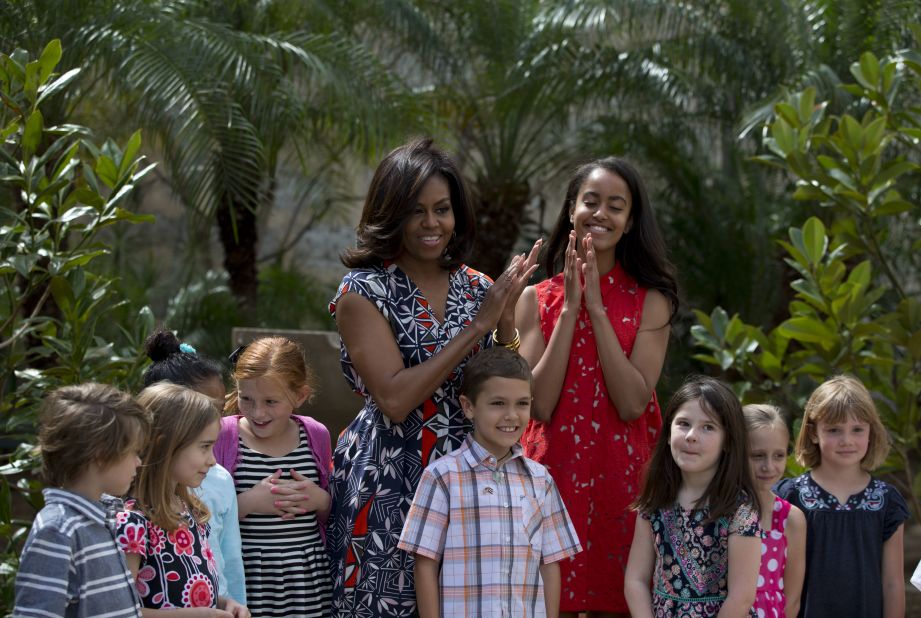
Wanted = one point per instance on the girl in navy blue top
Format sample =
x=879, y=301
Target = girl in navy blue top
x=855, y=523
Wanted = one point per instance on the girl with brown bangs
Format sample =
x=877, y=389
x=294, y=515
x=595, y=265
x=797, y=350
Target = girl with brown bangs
x=854, y=522
x=164, y=528
x=697, y=537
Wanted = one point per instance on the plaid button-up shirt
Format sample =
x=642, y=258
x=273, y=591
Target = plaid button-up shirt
x=490, y=529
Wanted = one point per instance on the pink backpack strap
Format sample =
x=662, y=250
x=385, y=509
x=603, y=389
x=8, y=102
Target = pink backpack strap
x=226, y=448
x=318, y=437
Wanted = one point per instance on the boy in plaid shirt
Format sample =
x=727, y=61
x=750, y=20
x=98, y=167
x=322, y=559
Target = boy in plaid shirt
x=487, y=526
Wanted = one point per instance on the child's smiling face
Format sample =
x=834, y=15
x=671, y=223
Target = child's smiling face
x=499, y=413
x=842, y=444
x=768, y=454
x=267, y=405
x=696, y=439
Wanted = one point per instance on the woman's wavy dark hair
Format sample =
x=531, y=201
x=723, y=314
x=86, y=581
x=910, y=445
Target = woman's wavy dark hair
x=732, y=482
x=641, y=252
x=392, y=196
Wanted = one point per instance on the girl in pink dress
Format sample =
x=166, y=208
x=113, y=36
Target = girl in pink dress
x=783, y=526
x=595, y=334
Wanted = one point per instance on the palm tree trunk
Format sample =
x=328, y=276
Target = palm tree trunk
x=499, y=211
x=238, y=234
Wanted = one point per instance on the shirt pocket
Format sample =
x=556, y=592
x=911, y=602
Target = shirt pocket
x=531, y=518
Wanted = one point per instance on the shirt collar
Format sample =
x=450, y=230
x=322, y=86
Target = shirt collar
x=477, y=455
x=92, y=510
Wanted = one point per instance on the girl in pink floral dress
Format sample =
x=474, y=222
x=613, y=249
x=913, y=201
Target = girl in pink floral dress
x=163, y=530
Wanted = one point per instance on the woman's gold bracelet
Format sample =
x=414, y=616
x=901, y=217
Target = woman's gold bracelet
x=512, y=345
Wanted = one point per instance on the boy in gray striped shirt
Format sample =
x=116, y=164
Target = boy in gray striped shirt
x=70, y=566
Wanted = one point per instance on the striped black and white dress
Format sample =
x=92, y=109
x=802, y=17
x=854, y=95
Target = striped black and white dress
x=285, y=563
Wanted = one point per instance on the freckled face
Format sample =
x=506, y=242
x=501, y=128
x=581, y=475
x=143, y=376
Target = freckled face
x=267, y=406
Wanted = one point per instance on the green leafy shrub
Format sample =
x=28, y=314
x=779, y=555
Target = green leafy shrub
x=855, y=305
x=58, y=192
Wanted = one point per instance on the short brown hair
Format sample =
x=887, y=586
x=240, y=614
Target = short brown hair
x=392, y=197
x=834, y=401
x=86, y=424
x=496, y=362
x=180, y=415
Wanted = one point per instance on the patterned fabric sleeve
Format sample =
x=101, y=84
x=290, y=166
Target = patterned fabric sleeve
x=558, y=536
x=785, y=488
x=896, y=512
x=367, y=283
x=132, y=534
x=426, y=525
x=745, y=521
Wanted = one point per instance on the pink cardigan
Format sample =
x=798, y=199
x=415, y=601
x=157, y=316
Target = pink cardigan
x=227, y=452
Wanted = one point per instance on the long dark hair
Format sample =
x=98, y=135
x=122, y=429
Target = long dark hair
x=392, y=196
x=641, y=252
x=733, y=475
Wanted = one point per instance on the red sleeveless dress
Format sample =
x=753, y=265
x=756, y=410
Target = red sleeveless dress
x=596, y=459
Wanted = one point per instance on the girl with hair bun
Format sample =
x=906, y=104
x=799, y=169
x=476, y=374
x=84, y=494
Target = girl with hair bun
x=179, y=363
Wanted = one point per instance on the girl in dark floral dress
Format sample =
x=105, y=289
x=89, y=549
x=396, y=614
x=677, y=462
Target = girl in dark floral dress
x=697, y=537
x=164, y=529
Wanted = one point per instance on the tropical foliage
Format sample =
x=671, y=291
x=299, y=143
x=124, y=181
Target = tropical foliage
x=60, y=193
x=251, y=107
x=232, y=91
x=856, y=304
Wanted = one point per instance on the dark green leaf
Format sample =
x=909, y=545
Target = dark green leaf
x=32, y=136
x=130, y=152
x=106, y=171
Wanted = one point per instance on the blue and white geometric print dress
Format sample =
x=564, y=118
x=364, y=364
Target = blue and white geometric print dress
x=377, y=463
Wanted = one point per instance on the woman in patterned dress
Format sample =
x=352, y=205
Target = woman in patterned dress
x=595, y=335
x=409, y=314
